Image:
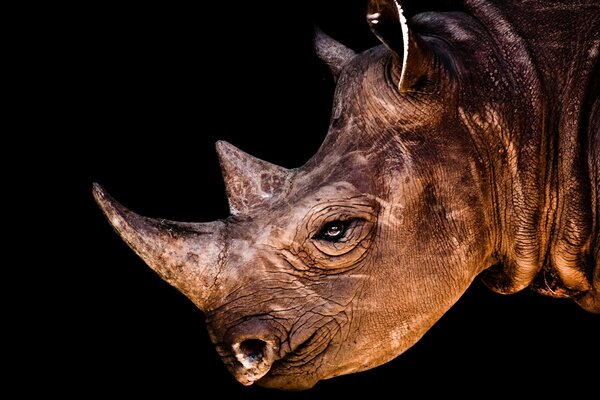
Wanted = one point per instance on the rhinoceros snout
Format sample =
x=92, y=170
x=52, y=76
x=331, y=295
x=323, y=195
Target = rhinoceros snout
x=256, y=357
x=255, y=349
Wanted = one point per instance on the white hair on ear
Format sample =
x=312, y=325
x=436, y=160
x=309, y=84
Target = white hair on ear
x=404, y=26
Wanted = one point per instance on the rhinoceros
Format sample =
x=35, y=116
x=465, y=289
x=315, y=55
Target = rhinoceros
x=466, y=145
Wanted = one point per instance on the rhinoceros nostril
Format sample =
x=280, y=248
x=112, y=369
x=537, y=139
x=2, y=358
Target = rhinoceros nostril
x=251, y=353
x=255, y=357
x=253, y=349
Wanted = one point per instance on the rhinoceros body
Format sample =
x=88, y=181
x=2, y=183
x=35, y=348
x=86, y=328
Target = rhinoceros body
x=466, y=145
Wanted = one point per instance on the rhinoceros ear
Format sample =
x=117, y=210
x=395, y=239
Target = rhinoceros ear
x=249, y=181
x=414, y=59
x=332, y=52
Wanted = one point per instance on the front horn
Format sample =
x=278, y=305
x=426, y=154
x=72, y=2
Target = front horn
x=186, y=255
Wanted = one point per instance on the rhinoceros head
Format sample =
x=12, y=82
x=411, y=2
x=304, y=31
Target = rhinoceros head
x=344, y=263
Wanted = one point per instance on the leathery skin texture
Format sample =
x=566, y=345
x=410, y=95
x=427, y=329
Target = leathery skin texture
x=446, y=160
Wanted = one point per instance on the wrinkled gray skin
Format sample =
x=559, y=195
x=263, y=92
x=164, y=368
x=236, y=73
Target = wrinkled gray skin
x=466, y=145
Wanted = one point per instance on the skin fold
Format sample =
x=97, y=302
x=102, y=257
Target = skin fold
x=466, y=145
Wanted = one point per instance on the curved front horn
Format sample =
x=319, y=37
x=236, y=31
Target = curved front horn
x=186, y=255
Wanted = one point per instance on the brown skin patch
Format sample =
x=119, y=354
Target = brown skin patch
x=344, y=263
x=322, y=300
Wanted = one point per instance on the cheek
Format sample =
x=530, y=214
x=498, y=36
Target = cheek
x=430, y=244
x=421, y=266
x=417, y=274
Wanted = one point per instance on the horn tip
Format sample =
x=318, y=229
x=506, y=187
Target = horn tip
x=109, y=206
x=99, y=194
x=97, y=190
x=224, y=147
x=229, y=155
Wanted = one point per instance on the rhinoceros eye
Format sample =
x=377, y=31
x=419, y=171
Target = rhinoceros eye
x=333, y=231
x=337, y=237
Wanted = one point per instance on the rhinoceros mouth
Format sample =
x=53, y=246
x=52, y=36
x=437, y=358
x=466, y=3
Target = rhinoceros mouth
x=301, y=361
x=270, y=354
x=301, y=351
x=291, y=372
x=251, y=362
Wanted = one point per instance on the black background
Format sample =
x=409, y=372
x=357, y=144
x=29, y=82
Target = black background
x=135, y=98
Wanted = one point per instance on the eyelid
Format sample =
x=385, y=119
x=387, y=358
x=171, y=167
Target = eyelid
x=352, y=231
x=344, y=218
x=347, y=225
x=335, y=256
